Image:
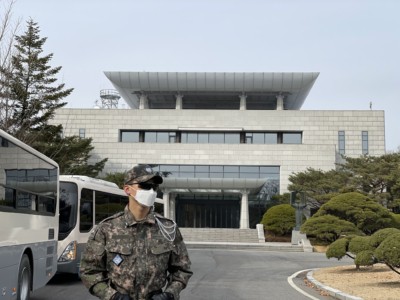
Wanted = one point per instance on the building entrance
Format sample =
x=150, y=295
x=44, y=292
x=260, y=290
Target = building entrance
x=213, y=211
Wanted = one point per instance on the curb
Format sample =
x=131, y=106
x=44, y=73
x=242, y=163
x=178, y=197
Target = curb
x=331, y=291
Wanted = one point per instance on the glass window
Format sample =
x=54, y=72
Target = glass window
x=269, y=169
x=46, y=205
x=202, y=169
x=150, y=137
x=206, y=171
x=187, y=168
x=24, y=186
x=271, y=138
x=68, y=208
x=186, y=171
x=86, y=210
x=172, y=137
x=184, y=137
x=107, y=205
x=249, y=138
x=24, y=201
x=249, y=169
x=162, y=137
x=231, y=175
x=342, y=142
x=169, y=168
x=216, y=138
x=232, y=138
x=249, y=175
x=364, y=142
x=231, y=169
x=191, y=137
x=291, y=138
x=258, y=138
x=216, y=168
x=82, y=132
x=130, y=136
x=217, y=175
x=202, y=138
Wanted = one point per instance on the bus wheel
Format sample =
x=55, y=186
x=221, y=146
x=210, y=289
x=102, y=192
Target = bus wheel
x=24, y=279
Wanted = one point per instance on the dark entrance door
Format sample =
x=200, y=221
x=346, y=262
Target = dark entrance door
x=208, y=211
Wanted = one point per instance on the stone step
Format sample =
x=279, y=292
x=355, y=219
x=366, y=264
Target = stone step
x=219, y=235
x=232, y=239
x=280, y=247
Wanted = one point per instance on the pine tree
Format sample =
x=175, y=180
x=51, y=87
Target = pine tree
x=8, y=30
x=31, y=86
x=71, y=152
x=31, y=96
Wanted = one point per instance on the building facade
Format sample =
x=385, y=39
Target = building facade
x=225, y=142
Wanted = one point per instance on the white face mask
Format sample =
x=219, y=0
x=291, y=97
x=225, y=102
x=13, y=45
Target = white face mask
x=146, y=197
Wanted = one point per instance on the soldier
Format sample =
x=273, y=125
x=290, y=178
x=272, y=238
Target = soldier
x=137, y=253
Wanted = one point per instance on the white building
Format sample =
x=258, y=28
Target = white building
x=226, y=142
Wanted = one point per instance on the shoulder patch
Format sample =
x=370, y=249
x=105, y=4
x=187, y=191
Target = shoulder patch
x=97, y=227
x=118, y=214
x=160, y=216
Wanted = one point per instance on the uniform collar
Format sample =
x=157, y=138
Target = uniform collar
x=130, y=219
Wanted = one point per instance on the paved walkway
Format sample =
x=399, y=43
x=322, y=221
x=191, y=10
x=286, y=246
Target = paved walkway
x=281, y=247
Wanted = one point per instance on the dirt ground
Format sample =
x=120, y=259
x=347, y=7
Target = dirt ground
x=369, y=283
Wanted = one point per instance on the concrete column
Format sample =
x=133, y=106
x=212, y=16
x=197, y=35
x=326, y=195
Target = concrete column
x=244, y=211
x=178, y=104
x=143, y=104
x=242, y=98
x=279, y=102
x=166, y=204
x=172, y=207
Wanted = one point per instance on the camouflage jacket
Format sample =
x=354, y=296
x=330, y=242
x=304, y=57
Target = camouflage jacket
x=134, y=258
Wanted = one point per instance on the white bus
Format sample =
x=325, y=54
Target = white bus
x=28, y=218
x=84, y=202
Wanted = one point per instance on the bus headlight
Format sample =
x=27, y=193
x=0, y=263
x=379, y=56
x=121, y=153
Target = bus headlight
x=69, y=253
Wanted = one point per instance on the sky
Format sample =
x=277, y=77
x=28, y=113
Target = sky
x=353, y=44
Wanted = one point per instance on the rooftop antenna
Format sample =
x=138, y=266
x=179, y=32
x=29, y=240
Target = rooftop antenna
x=109, y=99
x=370, y=105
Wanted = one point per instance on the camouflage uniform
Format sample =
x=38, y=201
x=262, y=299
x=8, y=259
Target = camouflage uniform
x=134, y=258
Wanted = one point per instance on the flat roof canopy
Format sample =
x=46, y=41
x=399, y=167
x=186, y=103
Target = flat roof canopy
x=162, y=87
x=212, y=185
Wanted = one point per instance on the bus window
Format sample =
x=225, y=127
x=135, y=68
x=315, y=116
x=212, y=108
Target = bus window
x=86, y=210
x=159, y=208
x=68, y=208
x=46, y=205
x=108, y=205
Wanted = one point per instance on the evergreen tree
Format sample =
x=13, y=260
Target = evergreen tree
x=320, y=185
x=8, y=29
x=31, y=86
x=28, y=87
x=71, y=152
x=377, y=176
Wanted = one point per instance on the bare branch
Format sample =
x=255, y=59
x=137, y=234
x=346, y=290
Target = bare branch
x=8, y=31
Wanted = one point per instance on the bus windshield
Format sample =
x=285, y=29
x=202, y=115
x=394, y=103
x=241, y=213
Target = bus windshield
x=68, y=208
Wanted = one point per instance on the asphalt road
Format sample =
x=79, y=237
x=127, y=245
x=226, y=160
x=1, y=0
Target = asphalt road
x=224, y=274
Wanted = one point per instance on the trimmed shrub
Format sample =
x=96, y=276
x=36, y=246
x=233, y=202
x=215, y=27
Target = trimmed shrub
x=389, y=251
x=360, y=243
x=378, y=237
x=327, y=229
x=396, y=220
x=365, y=258
x=279, y=219
x=366, y=214
x=338, y=249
